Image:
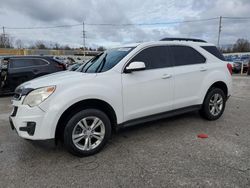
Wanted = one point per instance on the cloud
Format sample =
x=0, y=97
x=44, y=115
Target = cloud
x=231, y=29
x=29, y=13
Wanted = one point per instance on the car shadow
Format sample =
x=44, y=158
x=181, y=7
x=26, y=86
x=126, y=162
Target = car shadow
x=128, y=132
x=170, y=121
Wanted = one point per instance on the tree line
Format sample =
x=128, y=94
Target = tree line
x=241, y=45
x=8, y=42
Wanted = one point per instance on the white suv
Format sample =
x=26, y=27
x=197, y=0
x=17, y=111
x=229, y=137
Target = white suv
x=121, y=87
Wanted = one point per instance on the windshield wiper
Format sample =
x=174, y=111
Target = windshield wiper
x=91, y=61
x=101, y=64
x=96, y=57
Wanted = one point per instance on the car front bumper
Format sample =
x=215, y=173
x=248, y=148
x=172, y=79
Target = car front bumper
x=30, y=122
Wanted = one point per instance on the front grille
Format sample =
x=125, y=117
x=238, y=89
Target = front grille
x=14, y=111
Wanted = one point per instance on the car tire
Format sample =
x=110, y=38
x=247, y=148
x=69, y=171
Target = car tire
x=214, y=104
x=87, y=132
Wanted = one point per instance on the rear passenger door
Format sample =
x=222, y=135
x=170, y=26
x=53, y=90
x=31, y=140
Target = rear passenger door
x=190, y=69
x=149, y=91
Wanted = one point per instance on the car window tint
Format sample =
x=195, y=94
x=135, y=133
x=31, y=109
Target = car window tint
x=21, y=63
x=154, y=57
x=113, y=58
x=106, y=60
x=39, y=62
x=214, y=51
x=185, y=55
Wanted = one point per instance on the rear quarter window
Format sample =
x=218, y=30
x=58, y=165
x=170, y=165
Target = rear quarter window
x=214, y=51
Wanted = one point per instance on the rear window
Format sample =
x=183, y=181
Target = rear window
x=214, y=51
x=22, y=63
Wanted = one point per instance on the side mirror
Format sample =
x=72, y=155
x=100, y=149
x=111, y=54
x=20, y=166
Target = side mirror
x=135, y=66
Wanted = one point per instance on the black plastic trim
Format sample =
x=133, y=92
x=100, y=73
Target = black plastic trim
x=183, y=39
x=11, y=124
x=30, y=129
x=14, y=111
x=159, y=116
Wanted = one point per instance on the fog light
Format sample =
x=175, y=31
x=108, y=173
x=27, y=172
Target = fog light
x=30, y=129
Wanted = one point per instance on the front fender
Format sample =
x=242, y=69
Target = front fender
x=60, y=101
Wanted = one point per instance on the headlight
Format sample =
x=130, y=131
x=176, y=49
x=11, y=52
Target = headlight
x=37, y=96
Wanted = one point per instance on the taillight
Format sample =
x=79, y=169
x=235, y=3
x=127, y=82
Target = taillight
x=61, y=66
x=230, y=68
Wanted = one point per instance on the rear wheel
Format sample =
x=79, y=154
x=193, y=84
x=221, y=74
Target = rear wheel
x=87, y=132
x=214, y=104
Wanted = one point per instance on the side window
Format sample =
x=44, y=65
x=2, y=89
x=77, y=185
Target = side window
x=214, y=51
x=154, y=57
x=184, y=55
x=39, y=62
x=23, y=63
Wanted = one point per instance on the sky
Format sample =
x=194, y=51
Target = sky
x=128, y=21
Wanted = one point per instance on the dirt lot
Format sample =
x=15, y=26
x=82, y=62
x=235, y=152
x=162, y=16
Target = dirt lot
x=165, y=153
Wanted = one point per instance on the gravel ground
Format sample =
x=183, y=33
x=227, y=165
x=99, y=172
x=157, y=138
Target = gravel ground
x=164, y=153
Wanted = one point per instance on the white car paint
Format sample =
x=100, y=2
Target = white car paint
x=132, y=96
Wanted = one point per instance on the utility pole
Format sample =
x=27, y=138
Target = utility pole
x=220, y=26
x=3, y=37
x=83, y=36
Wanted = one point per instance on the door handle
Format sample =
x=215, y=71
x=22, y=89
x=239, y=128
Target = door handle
x=166, y=76
x=202, y=69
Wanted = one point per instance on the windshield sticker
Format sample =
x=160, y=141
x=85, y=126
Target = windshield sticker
x=124, y=49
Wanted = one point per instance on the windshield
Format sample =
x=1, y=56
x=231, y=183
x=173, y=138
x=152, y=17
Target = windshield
x=105, y=61
x=74, y=67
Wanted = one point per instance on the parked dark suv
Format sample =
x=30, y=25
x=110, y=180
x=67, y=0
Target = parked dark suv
x=18, y=69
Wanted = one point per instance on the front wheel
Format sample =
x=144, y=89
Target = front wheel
x=87, y=132
x=214, y=104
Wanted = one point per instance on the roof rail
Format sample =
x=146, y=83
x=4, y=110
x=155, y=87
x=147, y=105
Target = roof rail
x=183, y=39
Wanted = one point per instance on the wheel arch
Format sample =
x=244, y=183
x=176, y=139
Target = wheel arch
x=218, y=84
x=81, y=105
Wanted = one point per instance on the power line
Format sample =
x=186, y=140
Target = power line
x=112, y=24
x=127, y=24
x=84, y=24
x=156, y=23
x=236, y=18
x=44, y=27
x=228, y=18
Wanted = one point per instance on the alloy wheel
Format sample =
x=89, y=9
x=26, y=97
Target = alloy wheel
x=88, y=133
x=216, y=104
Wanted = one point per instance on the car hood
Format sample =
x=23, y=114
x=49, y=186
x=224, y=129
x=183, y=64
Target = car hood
x=64, y=77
